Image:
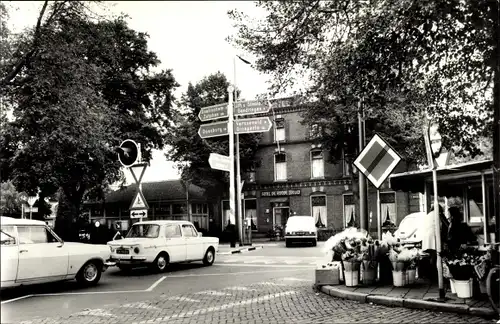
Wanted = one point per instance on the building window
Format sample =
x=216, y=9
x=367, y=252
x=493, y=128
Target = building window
x=227, y=218
x=280, y=167
x=251, y=212
x=317, y=164
x=345, y=163
x=388, y=209
x=279, y=130
x=349, y=211
x=315, y=131
x=318, y=210
x=250, y=176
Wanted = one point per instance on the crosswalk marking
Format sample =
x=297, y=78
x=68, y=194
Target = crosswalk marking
x=183, y=298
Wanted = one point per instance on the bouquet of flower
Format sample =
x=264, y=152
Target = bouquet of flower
x=462, y=264
x=347, y=245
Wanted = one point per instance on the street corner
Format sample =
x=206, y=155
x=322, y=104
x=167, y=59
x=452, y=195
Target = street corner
x=229, y=251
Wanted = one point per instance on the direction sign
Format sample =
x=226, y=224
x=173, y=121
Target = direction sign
x=213, y=112
x=139, y=202
x=142, y=213
x=242, y=108
x=377, y=161
x=219, y=162
x=213, y=129
x=252, y=125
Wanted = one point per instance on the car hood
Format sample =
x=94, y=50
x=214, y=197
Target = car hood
x=131, y=241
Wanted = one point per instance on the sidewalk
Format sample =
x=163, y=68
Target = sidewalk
x=225, y=248
x=421, y=295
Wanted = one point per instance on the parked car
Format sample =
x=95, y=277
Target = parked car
x=409, y=229
x=300, y=229
x=161, y=242
x=32, y=253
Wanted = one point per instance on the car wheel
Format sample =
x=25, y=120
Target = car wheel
x=89, y=274
x=160, y=263
x=287, y=243
x=209, y=258
x=314, y=242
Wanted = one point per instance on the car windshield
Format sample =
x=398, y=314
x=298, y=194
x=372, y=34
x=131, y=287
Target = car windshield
x=144, y=230
x=300, y=220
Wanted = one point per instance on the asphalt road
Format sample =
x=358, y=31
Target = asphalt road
x=271, y=285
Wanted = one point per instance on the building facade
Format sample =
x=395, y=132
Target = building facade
x=294, y=178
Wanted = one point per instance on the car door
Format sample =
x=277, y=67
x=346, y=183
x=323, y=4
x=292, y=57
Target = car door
x=42, y=257
x=176, y=244
x=194, y=245
x=10, y=254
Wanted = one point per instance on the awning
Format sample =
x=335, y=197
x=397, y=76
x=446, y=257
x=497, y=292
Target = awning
x=414, y=181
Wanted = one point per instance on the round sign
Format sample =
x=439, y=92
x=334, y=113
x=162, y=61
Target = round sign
x=435, y=139
x=23, y=196
x=129, y=152
x=97, y=224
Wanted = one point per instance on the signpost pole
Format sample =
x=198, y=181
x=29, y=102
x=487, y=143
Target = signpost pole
x=363, y=210
x=379, y=216
x=22, y=210
x=230, y=130
x=238, y=171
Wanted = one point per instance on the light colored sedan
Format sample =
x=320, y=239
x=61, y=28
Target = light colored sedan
x=161, y=242
x=32, y=253
x=300, y=229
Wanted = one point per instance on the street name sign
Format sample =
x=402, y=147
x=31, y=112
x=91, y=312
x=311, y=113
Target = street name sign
x=252, y=125
x=377, y=161
x=213, y=129
x=219, y=162
x=142, y=213
x=213, y=112
x=250, y=107
x=139, y=202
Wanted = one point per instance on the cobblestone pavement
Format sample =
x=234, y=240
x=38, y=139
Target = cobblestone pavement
x=251, y=259
x=284, y=300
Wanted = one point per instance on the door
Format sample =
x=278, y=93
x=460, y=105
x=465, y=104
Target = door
x=42, y=257
x=175, y=243
x=10, y=253
x=281, y=215
x=194, y=244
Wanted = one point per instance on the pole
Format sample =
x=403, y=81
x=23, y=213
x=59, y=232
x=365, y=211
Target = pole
x=437, y=220
x=238, y=171
x=22, y=210
x=495, y=15
x=485, y=218
x=230, y=130
x=363, y=210
x=379, y=216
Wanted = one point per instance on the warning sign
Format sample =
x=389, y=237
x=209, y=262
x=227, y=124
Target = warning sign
x=139, y=202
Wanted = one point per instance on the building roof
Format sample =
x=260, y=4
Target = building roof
x=414, y=181
x=155, y=191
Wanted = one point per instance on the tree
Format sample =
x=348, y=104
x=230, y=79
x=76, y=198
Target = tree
x=190, y=151
x=85, y=86
x=10, y=202
x=438, y=56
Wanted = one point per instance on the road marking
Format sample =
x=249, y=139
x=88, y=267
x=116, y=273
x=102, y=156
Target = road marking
x=264, y=265
x=294, y=279
x=232, y=273
x=15, y=299
x=271, y=283
x=213, y=292
x=141, y=305
x=240, y=288
x=95, y=312
x=221, y=307
x=74, y=293
x=157, y=282
x=182, y=298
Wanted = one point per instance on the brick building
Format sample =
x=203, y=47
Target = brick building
x=295, y=178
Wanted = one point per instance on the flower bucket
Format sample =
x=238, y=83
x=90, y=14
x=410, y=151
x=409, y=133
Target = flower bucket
x=411, y=276
x=351, y=273
x=463, y=288
x=399, y=266
x=399, y=278
x=369, y=272
x=452, y=286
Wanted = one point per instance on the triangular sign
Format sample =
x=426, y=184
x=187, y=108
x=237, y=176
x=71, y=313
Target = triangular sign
x=139, y=202
x=141, y=168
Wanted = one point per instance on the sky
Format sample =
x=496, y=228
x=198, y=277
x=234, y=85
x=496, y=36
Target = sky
x=189, y=37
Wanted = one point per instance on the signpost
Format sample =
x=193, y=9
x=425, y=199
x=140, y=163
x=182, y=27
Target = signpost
x=213, y=129
x=143, y=213
x=219, y=162
x=213, y=112
x=241, y=108
x=31, y=201
x=253, y=125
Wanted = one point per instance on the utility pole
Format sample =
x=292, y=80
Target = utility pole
x=238, y=171
x=495, y=12
x=230, y=129
x=363, y=206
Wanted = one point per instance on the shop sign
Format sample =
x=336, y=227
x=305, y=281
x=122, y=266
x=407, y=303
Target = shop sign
x=280, y=193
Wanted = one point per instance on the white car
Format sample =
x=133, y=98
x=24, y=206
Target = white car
x=32, y=253
x=409, y=230
x=161, y=242
x=301, y=229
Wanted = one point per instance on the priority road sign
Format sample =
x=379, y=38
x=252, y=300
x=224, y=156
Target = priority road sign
x=252, y=125
x=242, y=108
x=377, y=161
x=219, y=162
x=213, y=129
x=142, y=213
x=213, y=112
x=139, y=202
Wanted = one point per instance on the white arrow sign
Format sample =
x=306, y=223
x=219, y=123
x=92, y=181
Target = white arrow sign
x=143, y=213
x=219, y=162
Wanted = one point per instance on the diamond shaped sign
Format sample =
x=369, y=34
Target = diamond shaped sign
x=377, y=161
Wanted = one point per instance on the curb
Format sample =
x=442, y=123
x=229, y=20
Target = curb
x=242, y=250
x=406, y=302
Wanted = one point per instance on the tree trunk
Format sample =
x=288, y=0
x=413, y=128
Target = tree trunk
x=68, y=212
x=355, y=191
